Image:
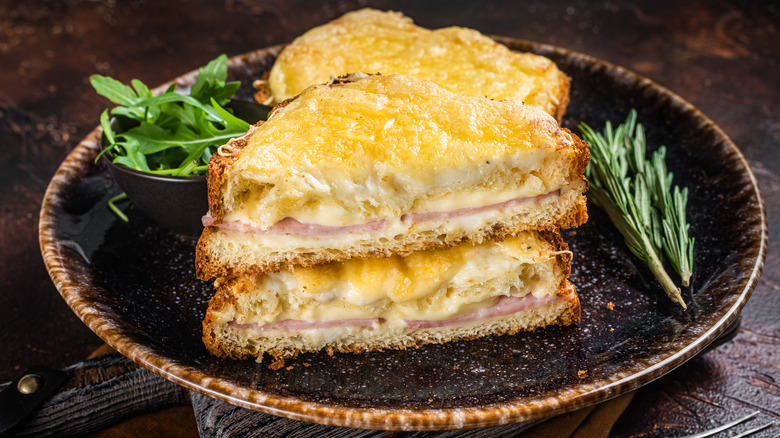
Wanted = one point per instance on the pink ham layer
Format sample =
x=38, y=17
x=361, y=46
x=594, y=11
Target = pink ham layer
x=505, y=305
x=294, y=226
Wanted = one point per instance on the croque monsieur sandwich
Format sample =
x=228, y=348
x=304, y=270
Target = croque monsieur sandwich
x=460, y=60
x=382, y=165
x=427, y=297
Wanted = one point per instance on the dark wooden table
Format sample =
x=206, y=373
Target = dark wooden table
x=723, y=57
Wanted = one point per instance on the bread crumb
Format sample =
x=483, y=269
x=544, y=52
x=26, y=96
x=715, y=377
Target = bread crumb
x=611, y=329
x=306, y=364
x=455, y=367
x=581, y=373
x=275, y=365
x=289, y=368
x=611, y=305
x=430, y=399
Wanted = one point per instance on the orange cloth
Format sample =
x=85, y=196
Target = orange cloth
x=176, y=422
x=591, y=422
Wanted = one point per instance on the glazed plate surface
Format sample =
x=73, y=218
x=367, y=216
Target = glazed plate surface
x=134, y=285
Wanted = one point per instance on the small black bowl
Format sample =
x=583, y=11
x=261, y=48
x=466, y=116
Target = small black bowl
x=174, y=202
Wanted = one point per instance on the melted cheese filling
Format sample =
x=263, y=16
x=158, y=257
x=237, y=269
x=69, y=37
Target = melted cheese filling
x=329, y=211
x=427, y=285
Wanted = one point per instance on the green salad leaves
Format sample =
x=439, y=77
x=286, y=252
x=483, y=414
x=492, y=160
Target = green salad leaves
x=639, y=198
x=171, y=133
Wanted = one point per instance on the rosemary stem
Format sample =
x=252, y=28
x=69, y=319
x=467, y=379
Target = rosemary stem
x=686, y=277
x=655, y=265
x=115, y=209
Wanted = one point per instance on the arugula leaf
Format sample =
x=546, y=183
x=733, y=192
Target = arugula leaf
x=229, y=117
x=148, y=138
x=211, y=82
x=107, y=130
x=171, y=133
x=141, y=89
x=113, y=90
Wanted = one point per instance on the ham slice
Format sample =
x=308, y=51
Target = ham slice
x=289, y=325
x=439, y=215
x=293, y=226
x=505, y=305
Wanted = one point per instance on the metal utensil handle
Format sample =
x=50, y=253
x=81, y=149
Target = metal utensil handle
x=100, y=392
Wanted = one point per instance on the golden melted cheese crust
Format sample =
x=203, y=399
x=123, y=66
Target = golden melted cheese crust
x=458, y=59
x=378, y=146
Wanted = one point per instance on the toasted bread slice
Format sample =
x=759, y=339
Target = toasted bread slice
x=386, y=165
x=427, y=297
x=458, y=59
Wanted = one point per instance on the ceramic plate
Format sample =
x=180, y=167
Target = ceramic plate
x=134, y=285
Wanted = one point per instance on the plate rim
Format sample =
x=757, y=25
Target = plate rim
x=373, y=418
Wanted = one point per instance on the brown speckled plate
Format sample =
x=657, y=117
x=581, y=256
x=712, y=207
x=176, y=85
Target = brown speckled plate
x=134, y=285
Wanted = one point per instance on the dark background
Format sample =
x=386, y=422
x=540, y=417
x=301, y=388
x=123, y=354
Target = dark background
x=720, y=56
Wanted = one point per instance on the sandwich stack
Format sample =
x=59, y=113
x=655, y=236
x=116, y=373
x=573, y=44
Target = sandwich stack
x=385, y=211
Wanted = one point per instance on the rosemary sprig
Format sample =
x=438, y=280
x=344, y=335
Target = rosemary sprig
x=638, y=196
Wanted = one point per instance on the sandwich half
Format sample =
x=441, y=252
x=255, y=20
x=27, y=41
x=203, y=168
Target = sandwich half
x=461, y=60
x=428, y=297
x=386, y=165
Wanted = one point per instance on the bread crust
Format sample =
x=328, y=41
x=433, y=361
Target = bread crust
x=262, y=94
x=219, y=170
x=563, y=96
